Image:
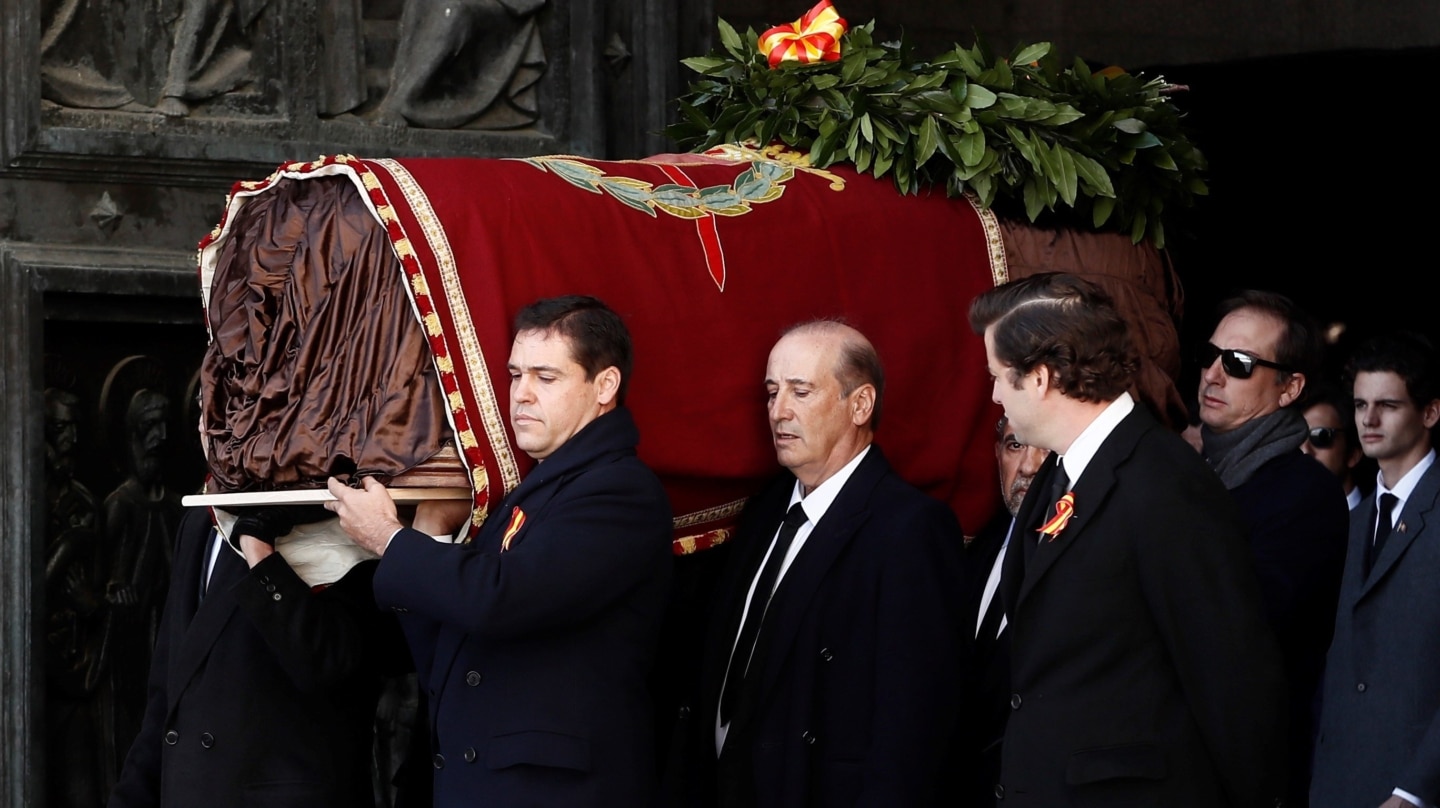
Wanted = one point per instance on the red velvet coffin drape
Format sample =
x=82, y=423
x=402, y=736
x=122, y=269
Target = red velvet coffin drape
x=708, y=258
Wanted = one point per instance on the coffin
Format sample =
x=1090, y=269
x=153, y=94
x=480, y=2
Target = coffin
x=360, y=311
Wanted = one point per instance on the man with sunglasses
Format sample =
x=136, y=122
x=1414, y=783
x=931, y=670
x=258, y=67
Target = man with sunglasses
x=1254, y=370
x=1333, y=439
x=1379, y=738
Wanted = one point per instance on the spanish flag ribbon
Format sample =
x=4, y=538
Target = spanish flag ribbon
x=1064, y=509
x=517, y=521
x=814, y=37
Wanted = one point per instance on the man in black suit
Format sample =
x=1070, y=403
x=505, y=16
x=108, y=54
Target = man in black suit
x=831, y=662
x=1142, y=670
x=262, y=691
x=1256, y=366
x=985, y=671
x=533, y=642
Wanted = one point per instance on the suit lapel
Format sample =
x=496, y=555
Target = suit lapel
x=827, y=541
x=1412, y=521
x=769, y=510
x=1090, y=493
x=209, y=618
x=1352, y=580
x=1013, y=572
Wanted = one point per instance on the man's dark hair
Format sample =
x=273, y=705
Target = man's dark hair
x=1299, y=347
x=1065, y=323
x=1409, y=355
x=859, y=361
x=597, y=336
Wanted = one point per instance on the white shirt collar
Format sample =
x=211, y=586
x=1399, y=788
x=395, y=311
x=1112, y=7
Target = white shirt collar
x=1407, y=483
x=824, y=494
x=1084, y=447
x=1353, y=498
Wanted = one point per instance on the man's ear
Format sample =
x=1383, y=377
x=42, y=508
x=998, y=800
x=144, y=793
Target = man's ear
x=1431, y=413
x=607, y=386
x=862, y=404
x=1294, y=386
x=1043, y=379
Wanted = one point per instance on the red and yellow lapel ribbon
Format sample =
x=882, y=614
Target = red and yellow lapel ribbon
x=814, y=37
x=1064, y=509
x=517, y=521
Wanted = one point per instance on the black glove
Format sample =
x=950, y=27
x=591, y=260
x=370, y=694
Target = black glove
x=269, y=522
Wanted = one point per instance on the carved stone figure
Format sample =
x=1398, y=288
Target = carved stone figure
x=77, y=701
x=211, y=52
x=140, y=519
x=79, y=62
x=465, y=63
x=69, y=503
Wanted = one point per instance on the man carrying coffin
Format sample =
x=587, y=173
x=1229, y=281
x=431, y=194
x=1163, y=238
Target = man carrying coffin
x=533, y=641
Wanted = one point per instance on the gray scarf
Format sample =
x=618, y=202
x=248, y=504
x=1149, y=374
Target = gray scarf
x=1236, y=455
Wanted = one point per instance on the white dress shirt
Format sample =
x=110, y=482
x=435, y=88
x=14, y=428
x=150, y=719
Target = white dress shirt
x=815, y=506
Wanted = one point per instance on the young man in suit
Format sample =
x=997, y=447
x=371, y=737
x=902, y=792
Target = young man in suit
x=985, y=672
x=262, y=691
x=533, y=641
x=1379, y=740
x=1142, y=670
x=832, y=657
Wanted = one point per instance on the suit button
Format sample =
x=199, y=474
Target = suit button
x=999, y=792
x=808, y=737
x=684, y=711
x=1015, y=701
x=275, y=596
x=264, y=579
x=438, y=760
x=469, y=754
x=270, y=587
x=473, y=678
x=1360, y=687
x=172, y=737
x=207, y=740
x=826, y=654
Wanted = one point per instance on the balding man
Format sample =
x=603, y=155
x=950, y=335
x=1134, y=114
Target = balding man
x=832, y=657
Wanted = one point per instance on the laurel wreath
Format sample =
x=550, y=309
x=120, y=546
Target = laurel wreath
x=1100, y=148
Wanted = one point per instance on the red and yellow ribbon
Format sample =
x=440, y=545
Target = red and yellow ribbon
x=517, y=521
x=814, y=37
x=1064, y=509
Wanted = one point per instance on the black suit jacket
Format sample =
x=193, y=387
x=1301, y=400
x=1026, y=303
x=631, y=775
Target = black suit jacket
x=851, y=695
x=535, y=658
x=984, y=677
x=262, y=694
x=1142, y=668
x=1294, y=509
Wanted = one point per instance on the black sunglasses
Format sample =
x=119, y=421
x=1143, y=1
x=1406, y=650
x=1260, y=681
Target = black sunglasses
x=1237, y=365
x=1323, y=437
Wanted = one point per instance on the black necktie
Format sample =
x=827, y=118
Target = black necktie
x=1385, y=508
x=759, y=602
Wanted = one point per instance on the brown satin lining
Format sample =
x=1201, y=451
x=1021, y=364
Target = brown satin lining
x=317, y=363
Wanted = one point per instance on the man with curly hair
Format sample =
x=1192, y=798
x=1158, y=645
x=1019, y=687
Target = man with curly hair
x=1142, y=671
